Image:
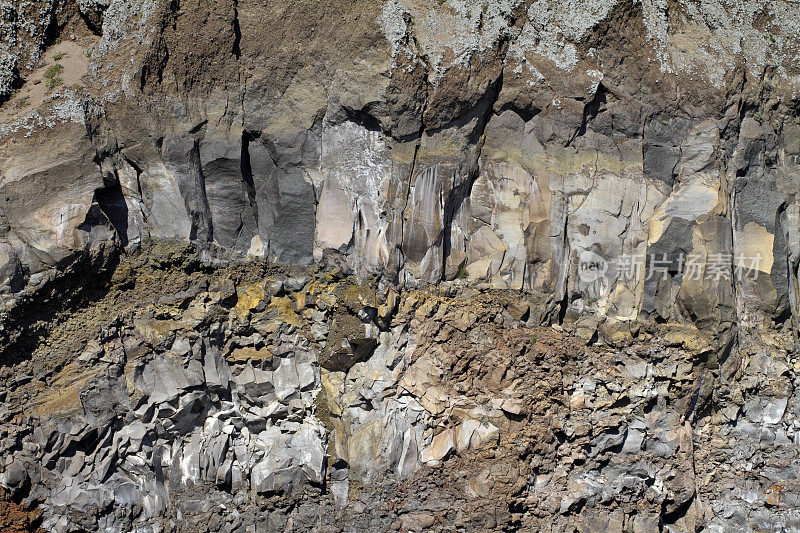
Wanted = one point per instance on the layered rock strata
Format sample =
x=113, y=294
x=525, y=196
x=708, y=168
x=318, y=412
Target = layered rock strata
x=492, y=141
x=444, y=183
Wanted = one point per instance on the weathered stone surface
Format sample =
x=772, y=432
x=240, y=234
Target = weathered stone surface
x=612, y=169
x=454, y=395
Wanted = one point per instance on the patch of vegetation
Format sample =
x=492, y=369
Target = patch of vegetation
x=534, y=338
x=441, y=2
x=758, y=117
x=59, y=57
x=88, y=53
x=54, y=70
x=52, y=76
x=21, y=102
x=462, y=273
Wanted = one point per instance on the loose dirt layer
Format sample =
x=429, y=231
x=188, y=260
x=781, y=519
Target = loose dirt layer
x=15, y=518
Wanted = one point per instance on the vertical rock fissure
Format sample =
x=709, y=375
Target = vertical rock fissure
x=247, y=171
x=237, y=32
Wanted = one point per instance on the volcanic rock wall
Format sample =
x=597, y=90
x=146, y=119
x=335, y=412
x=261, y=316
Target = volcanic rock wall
x=498, y=147
x=495, y=141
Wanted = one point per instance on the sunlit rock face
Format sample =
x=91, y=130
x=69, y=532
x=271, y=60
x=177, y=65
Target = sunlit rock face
x=400, y=261
x=430, y=142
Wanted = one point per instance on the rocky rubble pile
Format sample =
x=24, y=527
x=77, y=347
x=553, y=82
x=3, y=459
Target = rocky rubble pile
x=313, y=400
x=172, y=397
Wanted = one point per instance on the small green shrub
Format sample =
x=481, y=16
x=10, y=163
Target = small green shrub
x=59, y=57
x=54, y=70
x=22, y=102
x=52, y=76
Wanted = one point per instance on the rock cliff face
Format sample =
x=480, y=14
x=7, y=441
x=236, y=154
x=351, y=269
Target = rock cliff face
x=369, y=265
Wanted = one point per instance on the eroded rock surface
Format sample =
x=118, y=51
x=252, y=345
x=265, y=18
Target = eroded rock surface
x=241, y=398
x=540, y=264
x=493, y=141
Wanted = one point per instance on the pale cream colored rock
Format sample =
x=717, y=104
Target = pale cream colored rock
x=52, y=188
x=335, y=223
x=464, y=433
x=577, y=399
x=256, y=249
x=472, y=434
x=509, y=206
x=484, y=434
x=362, y=445
x=698, y=197
x=333, y=383
x=514, y=406
x=356, y=172
x=441, y=445
x=422, y=380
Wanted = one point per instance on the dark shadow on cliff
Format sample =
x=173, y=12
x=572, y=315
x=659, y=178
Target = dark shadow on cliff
x=85, y=278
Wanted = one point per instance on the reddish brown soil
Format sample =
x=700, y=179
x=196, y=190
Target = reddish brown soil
x=15, y=518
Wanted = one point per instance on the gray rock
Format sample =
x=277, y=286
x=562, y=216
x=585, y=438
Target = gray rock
x=230, y=194
x=15, y=476
x=286, y=380
x=216, y=369
x=340, y=484
x=286, y=200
